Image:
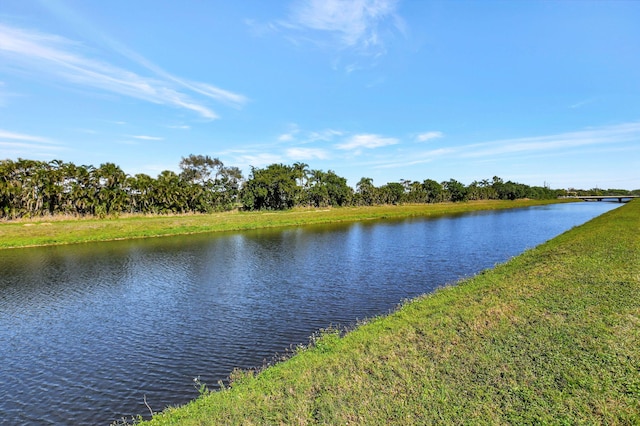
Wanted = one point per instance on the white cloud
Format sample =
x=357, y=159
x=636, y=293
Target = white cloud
x=323, y=135
x=259, y=28
x=581, y=103
x=291, y=134
x=295, y=133
x=147, y=138
x=4, y=134
x=27, y=146
x=620, y=133
x=259, y=160
x=415, y=159
x=353, y=23
x=286, y=137
x=216, y=93
x=307, y=153
x=427, y=136
x=60, y=59
x=87, y=131
x=368, y=141
x=608, y=139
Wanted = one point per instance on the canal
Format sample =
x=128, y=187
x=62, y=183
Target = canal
x=89, y=331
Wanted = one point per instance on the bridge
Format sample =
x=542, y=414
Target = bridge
x=620, y=198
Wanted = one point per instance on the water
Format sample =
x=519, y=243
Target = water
x=87, y=332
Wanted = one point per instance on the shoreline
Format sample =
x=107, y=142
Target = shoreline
x=47, y=231
x=551, y=336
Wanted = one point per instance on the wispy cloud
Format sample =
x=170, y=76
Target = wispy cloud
x=581, y=103
x=60, y=59
x=23, y=145
x=221, y=95
x=258, y=159
x=307, y=153
x=620, y=133
x=367, y=141
x=4, y=134
x=414, y=159
x=87, y=131
x=286, y=137
x=27, y=148
x=290, y=134
x=427, y=136
x=356, y=24
x=147, y=138
x=295, y=133
x=605, y=139
x=296, y=144
x=324, y=135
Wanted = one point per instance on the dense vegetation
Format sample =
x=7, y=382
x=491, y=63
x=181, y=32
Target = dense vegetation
x=551, y=337
x=36, y=188
x=30, y=188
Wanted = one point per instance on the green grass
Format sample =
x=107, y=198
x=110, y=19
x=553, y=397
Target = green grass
x=550, y=337
x=53, y=231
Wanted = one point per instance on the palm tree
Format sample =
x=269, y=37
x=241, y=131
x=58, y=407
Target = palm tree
x=84, y=189
x=8, y=186
x=169, y=194
x=53, y=185
x=28, y=197
x=302, y=173
x=317, y=189
x=111, y=193
x=367, y=191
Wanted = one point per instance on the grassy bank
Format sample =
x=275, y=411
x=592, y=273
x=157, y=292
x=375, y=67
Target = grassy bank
x=51, y=231
x=551, y=337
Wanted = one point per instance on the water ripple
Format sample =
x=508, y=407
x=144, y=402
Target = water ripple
x=88, y=331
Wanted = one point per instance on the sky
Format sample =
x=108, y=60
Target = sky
x=537, y=92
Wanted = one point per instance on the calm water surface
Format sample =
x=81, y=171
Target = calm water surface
x=88, y=331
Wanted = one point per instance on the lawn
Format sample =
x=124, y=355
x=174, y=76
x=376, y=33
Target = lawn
x=550, y=337
x=66, y=230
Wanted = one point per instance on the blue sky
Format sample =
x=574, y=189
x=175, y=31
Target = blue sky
x=538, y=92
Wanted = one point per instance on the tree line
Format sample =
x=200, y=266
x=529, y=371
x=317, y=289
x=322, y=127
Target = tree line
x=30, y=188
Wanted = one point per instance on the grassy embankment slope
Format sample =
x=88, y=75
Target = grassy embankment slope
x=52, y=231
x=552, y=336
